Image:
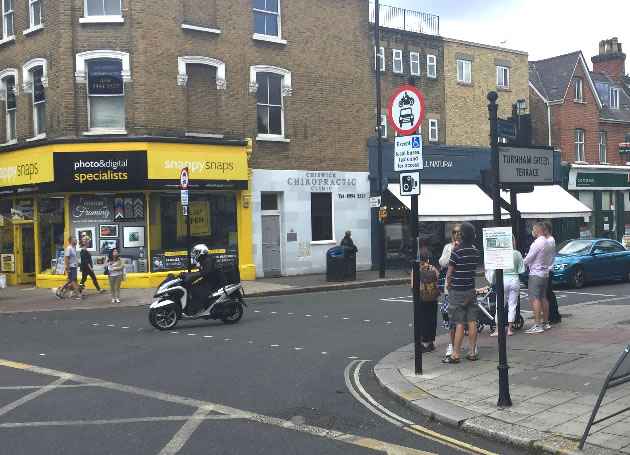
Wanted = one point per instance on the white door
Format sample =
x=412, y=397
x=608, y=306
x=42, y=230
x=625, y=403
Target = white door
x=271, y=245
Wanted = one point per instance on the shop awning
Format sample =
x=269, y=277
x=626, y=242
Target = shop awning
x=449, y=202
x=548, y=201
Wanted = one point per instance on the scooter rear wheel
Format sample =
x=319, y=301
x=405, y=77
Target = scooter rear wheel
x=236, y=315
x=163, y=318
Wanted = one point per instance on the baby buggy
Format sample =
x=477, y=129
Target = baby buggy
x=487, y=303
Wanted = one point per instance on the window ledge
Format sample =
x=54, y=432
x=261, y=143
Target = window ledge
x=216, y=136
x=201, y=29
x=323, y=242
x=39, y=137
x=504, y=89
x=101, y=19
x=8, y=39
x=579, y=101
x=103, y=132
x=465, y=84
x=6, y=144
x=580, y=162
x=604, y=163
x=33, y=29
x=272, y=138
x=269, y=38
x=431, y=77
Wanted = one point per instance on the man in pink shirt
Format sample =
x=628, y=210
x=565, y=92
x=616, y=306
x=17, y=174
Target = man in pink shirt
x=539, y=259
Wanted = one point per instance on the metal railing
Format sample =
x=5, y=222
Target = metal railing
x=408, y=20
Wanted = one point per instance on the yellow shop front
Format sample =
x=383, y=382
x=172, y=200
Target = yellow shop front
x=123, y=195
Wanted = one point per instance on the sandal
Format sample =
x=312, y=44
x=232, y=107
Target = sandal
x=472, y=358
x=494, y=334
x=450, y=360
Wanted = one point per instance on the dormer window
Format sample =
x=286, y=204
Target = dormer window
x=614, y=98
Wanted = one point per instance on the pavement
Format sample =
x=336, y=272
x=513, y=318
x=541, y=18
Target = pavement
x=555, y=379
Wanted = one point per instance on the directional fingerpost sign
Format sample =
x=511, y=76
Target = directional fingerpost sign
x=406, y=109
x=408, y=153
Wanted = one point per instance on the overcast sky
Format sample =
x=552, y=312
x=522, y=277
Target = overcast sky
x=543, y=28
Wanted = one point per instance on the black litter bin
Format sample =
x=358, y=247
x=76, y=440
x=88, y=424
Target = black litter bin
x=341, y=264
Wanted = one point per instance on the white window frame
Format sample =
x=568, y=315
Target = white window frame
x=6, y=16
x=286, y=90
x=578, y=137
x=602, y=147
x=384, y=126
x=503, y=77
x=265, y=37
x=414, y=59
x=397, y=57
x=578, y=89
x=95, y=18
x=614, y=98
x=81, y=78
x=4, y=75
x=28, y=87
x=32, y=5
x=182, y=75
x=433, y=130
x=381, y=56
x=461, y=77
x=431, y=66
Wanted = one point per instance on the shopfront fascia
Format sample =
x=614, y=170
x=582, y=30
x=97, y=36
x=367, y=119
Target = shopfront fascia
x=123, y=195
x=606, y=191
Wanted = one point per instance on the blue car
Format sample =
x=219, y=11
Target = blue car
x=581, y=260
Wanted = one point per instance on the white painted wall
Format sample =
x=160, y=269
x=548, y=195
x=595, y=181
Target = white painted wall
x=294, y=203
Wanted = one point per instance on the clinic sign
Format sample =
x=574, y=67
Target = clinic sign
x=525, y=165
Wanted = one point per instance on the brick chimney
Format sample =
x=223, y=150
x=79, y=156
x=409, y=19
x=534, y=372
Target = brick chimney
x=610, y=60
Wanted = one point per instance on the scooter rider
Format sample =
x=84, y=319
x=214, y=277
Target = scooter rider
x=211, y=278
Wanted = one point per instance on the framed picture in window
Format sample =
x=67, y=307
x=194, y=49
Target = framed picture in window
x=106, y=245
x=108, y=231
x=133, y=236
x=87, y=235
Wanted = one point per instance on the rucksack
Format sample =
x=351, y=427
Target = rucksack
x=429, y=290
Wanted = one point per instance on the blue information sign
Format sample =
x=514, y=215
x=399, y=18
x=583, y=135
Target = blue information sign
x=507, y=129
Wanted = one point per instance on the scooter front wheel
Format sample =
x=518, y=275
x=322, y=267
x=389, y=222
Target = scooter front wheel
x=163, y=318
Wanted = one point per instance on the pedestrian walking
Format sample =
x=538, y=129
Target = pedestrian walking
x=444, y=260
x=511, y=289
x=460, y=282
x=539, y=260
x=429, y=293
x=554, y=313
x=87, y=269
x=347, y=241
x=71, y=265
x=115, y=274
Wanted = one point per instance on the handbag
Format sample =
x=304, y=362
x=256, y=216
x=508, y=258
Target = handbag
x=442, y=280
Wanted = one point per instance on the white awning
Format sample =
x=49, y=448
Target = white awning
x=449, y=202
x=548, y=201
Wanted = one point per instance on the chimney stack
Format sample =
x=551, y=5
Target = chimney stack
x=611, y=60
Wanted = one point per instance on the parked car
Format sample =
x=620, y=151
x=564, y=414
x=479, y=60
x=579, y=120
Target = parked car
x=581, y=260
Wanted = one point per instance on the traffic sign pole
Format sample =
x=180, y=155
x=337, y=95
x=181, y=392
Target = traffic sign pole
x=184, y=181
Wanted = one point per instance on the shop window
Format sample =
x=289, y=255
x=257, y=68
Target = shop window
x=212, y=222
x=431, y=66
x=9, y=91
x=267, y=18
x=6, y=233
x=321, y=217
x=8, y=31
x=50, y=211
x=106, y=99
x=587, y=223
x=414, y=63
x=269, y=101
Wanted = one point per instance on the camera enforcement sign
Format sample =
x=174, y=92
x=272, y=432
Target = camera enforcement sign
x=525, y=165
x=409, y=183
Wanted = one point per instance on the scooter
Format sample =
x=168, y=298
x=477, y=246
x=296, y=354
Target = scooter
x=173, y=293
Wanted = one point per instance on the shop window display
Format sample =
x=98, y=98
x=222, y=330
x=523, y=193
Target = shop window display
x=212, y=221
x=50, y=213
x=6, y=237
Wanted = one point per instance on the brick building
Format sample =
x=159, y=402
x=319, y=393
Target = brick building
x=146, y=90
x=586, y=115
x=471, y=70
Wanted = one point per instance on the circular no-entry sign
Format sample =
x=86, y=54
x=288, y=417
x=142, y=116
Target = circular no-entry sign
x=183, y=179
x=406, y=109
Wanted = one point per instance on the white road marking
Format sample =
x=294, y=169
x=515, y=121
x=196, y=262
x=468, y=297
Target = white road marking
x=273, y=312
x=42, y=354
x=185, y=432
x=256, y=311
x=345, y=318
x=124, y=327
x=325, y=316
x=111, y=325
x=298, y=349
x=111, y=421
x=207, y=336
x=534, y=378
x=95, y=323
x=289, y=313
x=366, y=320
x=588, y=383
x=388, y=322
x=353, y=357
x=589, y=293
x=227, y=339
x=31, y=396
x=274, y=345
x=174, y=332
x=308, y=315
x=323, y=353
x=192, y=334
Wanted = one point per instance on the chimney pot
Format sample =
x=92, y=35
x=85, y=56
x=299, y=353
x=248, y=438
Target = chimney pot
x=602, y=47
